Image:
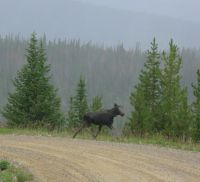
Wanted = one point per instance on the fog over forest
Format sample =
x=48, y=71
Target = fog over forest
x=105, y=22
x=105, y=41
x=109, y=72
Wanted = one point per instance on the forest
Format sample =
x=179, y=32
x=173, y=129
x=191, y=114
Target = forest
x=113, y=74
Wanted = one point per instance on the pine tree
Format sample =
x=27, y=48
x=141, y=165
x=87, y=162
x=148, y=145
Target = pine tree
x=140, y=116
x=81, y=98
x=146, y=97
x=196, y=109
x=72, y=116
x=78, y=105
x=175, y=110
x=152, y=85
x=34, y=102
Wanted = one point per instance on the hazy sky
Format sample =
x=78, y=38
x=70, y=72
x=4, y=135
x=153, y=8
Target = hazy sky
x=72, y=19
x=182, y=9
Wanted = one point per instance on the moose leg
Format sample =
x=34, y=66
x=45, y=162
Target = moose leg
x=99, y=129
x=111, y=129
x=83, y=126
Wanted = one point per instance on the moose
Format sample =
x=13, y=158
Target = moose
x=100, y=118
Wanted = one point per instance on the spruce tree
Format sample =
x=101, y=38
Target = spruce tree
x=34, y=102
x=78, y=105
x=152, y=85
x=196, y=109
x=145, y=98
x=140, y=116
x=72, y=115
x=175, y=110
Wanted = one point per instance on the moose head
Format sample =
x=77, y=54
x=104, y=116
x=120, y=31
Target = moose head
x=117, y=110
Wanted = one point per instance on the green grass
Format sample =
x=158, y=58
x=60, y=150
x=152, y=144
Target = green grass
x=19, y=131
x=14, y=174
x=158, y=140
x=161, y=141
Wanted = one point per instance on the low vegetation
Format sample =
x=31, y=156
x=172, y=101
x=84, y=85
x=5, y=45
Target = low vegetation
x=157, y=140
x=11, y=173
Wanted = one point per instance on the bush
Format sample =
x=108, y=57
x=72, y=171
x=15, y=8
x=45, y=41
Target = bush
x=10, y=173
x=22, y=177
x=4, y=165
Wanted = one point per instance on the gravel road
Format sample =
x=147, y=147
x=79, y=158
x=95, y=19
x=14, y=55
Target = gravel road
x=54, y=159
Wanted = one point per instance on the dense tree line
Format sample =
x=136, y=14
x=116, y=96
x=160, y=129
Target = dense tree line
x=196, y=109
x=160, y=102
x=34, y=102
x=108, y=71
x=101, y=66
x=112, y=73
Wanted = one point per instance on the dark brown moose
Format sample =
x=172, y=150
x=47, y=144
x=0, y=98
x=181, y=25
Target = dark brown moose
x=100, y=118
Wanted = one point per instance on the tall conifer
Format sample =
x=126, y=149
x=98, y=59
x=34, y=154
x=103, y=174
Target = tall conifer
x=196, y=109
x=78, y=104
x=175, y=110
x=145, y=98
x=35, y=101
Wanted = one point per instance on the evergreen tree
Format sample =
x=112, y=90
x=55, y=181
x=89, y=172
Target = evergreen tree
x=96, y=103
x=78, y=105
x=196, y=109
x=35, y=101
x=140, y=116
x=72, y=116
x=175, y=110
x=152, y=85
x=146, y=97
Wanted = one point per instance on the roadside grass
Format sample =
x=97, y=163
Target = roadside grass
x=158, y=140
x=11, y=173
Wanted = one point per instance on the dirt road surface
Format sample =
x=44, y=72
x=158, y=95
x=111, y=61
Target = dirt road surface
x=53, y=159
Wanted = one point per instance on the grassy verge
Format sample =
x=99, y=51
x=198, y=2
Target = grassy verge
x=157, y=140
x=161, y=141
x=154, y=140
x=10, y=173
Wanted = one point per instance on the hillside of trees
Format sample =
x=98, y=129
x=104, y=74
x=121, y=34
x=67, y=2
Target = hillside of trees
x=109, y=72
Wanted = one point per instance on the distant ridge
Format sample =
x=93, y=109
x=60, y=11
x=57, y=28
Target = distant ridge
x=73, y=19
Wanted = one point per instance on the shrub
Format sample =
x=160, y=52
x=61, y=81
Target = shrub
x=4, y=165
